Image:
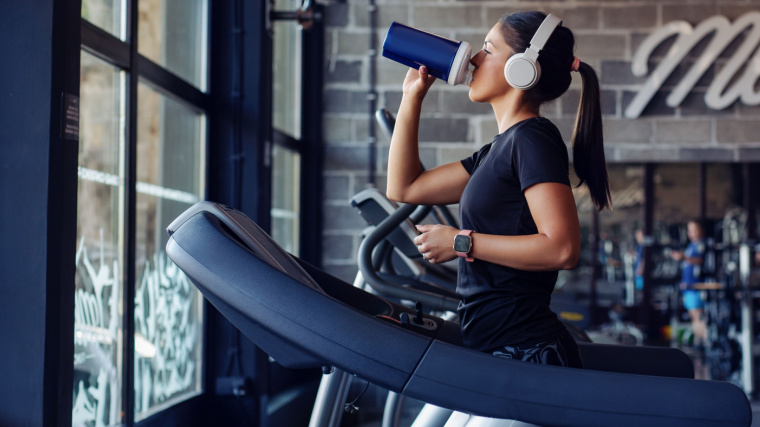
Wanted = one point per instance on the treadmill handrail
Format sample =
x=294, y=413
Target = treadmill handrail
x=431, y=300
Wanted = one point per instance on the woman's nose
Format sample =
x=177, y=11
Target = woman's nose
x=475, y=60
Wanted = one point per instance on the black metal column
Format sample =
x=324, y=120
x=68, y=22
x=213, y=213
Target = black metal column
x=645, y=317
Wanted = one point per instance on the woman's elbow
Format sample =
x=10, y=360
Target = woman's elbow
x=394, y=195
x=568, y=257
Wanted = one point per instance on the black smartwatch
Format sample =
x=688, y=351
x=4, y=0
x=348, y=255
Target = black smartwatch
x=463, y=245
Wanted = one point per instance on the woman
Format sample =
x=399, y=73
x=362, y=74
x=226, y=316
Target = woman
x=520, y=223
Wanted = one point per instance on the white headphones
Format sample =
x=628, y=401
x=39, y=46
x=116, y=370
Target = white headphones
x=522, y=70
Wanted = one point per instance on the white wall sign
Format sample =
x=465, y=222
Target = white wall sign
x=719, y=94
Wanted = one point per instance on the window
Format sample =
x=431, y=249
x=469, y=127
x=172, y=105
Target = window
x=99, y=300
x=139, y=320
x=172, y=33
x=110, y=15
x=286, y=117
x=168, y=308
x=286, y=168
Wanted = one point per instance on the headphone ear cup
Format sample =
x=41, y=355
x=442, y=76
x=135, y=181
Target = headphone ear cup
x=521, y=73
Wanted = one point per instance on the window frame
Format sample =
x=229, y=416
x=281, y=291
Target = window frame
x=124, y=55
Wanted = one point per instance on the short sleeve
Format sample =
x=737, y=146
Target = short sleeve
x=470, y=163
x=540, y=156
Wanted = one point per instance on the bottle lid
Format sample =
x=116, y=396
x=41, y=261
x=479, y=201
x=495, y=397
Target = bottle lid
x=460, y=72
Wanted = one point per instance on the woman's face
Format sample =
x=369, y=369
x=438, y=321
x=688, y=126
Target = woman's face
x=488, y=80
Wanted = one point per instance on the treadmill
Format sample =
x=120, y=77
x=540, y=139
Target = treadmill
x=304, y=318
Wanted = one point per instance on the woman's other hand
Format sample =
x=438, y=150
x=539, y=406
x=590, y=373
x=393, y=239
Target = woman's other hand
x=436, y=243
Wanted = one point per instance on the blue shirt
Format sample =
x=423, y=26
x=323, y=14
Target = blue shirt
x=691, y=273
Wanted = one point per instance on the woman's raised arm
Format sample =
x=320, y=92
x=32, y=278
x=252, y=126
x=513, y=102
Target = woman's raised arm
x=407, y=182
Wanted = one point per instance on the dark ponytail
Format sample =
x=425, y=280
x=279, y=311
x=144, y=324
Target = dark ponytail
x=588, y=142
x=556, y=60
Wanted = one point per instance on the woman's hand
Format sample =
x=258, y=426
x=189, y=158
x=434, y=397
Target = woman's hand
x=436, y=243
x=417, y=83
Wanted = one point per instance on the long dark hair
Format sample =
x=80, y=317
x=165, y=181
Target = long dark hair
x=556, y=60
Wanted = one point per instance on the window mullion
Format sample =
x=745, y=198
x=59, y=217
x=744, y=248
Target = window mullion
x=102, y=44
x=130, y=195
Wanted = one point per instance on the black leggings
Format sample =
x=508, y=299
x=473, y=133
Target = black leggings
x=562, y=351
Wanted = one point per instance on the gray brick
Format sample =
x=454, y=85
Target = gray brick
x=599, y=46
x=747, y=110
x=362, y=130
x=646, y=154
x=569, y=102
x=390, y=72
x=644, y=16
x=681, y=70
x=694, y=105
x=618, y=131
x=735, y=130
x=706, y=154
x=655, y=107
x=336, y=187
x=339, y=247
x=344, y=72
x=474, y=37
x=749, y=154
x=456, y=154
x=444, y=130
x=337, y=129
x=658, y=53
x=693, y=14
x=608, y=100
x=580, y=18
x=427, y=158
x=446, y=17
x=385, y=16
x=459, y=102
x=361, y=180
x=551, y=109
x=342, y=217
x=565, y=126
x=734, y=11
x=351, y=43
x=346, y=157
x=344, y=101
x=488, y=130
x=619, y=73
x=430, y=105
x=336, y=15
x=683, y=131
x=493, y=14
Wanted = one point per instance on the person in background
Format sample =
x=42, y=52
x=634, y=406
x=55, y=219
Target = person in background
x=638, y=265
x=692, y=259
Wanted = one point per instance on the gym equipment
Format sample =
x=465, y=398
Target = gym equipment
x=303, y=317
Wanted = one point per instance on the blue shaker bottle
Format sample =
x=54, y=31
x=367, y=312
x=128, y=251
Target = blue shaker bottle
x=448, y=60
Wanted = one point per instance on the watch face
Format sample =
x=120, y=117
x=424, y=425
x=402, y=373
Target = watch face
x=462, y=243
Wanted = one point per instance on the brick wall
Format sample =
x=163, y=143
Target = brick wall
x=607, y=36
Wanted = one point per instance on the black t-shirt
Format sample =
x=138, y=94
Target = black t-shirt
x=502, y=305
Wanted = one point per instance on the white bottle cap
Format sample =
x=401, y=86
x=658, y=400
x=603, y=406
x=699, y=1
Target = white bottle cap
x=460, y=72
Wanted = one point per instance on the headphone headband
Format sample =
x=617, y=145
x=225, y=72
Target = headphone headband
x=543, y=32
